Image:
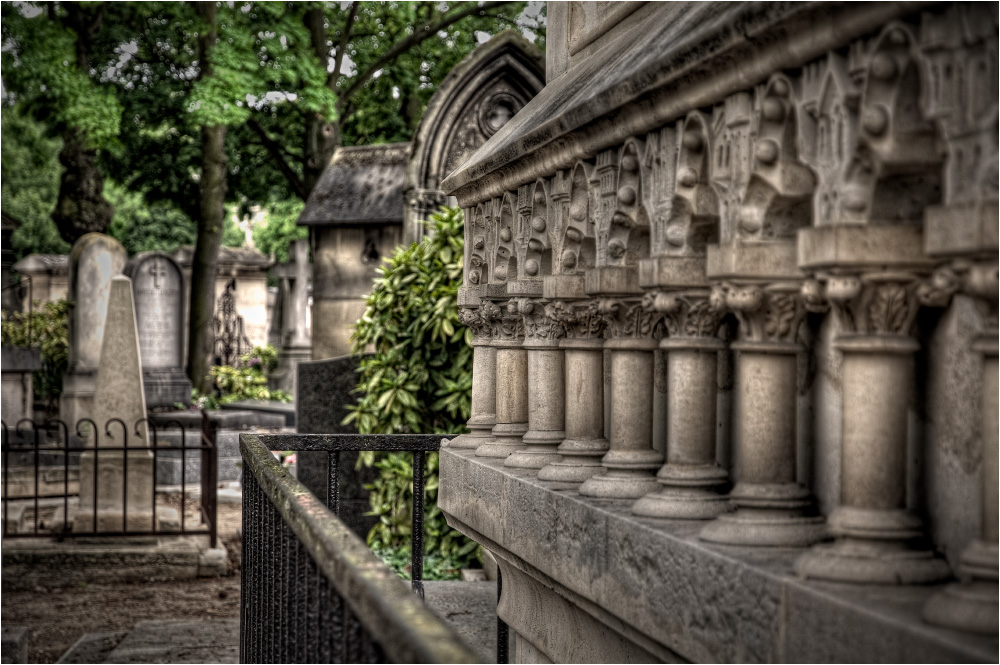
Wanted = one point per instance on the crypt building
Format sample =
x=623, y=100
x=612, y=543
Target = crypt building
x=733, y=279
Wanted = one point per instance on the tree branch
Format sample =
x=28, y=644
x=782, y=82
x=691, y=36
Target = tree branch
x=345, y=37
x=276, y=151
x=420, y=33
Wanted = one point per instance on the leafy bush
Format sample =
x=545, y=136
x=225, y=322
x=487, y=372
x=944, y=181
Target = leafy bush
x=248, y=378
x=419, y=380
x=46, y=328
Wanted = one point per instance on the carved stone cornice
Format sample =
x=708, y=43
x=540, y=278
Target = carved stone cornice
x=540, y=320
x=687, y=314
x=630, y=318
x=766, y=312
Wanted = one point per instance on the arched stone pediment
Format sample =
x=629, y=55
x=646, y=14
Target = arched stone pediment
x=475, y=100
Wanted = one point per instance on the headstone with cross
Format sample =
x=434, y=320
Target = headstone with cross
x=158, y=284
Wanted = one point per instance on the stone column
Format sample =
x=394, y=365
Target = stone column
x=631, y=460
x=483, y=409
x=874, y=529
x=546, y=386
x=584, y=445
x=511, y=381
x=972, y=605
x=692, y=479
x=772, y=508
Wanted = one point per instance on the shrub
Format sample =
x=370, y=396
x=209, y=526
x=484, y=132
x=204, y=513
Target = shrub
x=248, y=378
x=419, y=380
x=46, y=328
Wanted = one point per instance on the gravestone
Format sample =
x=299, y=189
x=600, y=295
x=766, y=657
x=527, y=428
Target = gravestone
x=158, y=284
x=325, y=391
x=118, y=394
x=296, y=344
x=94, y=260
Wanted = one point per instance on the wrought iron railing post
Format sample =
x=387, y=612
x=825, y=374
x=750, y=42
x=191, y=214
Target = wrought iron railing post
x=417, y=529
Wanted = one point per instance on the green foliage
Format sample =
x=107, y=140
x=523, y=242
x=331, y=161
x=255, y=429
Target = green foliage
x=248, y=379
x=232, y=234
x=143, y=227
x=279, y=229
x=46, y=328
x=29, y=171
x=419, y=380
x=40, y=63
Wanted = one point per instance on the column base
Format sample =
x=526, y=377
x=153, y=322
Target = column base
x=871, y=562
x=619, y=484
x=579, y=459
x=507, y=439
x=687, y=492
x=767, y=515
x=971, y=605
x=540, y=450
x=574, y=470
x=478, y=435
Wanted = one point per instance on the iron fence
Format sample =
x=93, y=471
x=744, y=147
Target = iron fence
x=41, y=451
x=312, y=591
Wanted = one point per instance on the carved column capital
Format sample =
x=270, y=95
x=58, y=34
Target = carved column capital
x=766, y=312
x=540, y=320
x=505, y=322
x=630, y=318
x=476, y=321
x=688, y=314
x=880, y=303
x=580, y=318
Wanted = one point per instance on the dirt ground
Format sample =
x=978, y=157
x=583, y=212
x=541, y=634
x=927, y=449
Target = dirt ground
x=57, y=618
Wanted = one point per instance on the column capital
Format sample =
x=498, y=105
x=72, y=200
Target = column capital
x=630, y=318
x=767, y=312
x=506, y=324
x=689, y=314
x=541, y=321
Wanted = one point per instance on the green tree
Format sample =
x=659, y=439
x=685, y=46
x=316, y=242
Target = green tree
x=279, y=229
x=30, y=182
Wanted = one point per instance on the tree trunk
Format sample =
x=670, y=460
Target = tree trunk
x=81, y=207
x=212, y=194
x=321, y=137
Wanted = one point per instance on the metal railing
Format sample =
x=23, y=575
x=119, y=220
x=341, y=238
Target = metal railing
x=312, y=591
x=33, y=452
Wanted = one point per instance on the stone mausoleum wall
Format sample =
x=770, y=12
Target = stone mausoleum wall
x=733, y=279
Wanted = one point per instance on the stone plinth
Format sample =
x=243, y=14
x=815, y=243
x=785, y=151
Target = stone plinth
x=626, y=589
x=18, y=391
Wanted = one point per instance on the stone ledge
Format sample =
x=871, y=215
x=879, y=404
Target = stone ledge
x=699, y=601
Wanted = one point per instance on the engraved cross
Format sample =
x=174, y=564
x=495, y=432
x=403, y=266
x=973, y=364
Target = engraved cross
x=157, y=270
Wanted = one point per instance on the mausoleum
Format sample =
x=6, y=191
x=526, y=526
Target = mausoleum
x=733, y=279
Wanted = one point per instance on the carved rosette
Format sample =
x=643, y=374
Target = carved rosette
x=766, y=313
x=687, y=314
x=630, y=318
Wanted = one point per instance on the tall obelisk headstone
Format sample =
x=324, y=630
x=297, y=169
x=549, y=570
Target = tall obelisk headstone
x=118, y=394
x=158, y=287
x=94, y=260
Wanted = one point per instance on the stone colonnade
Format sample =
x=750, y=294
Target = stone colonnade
x=856, y=195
